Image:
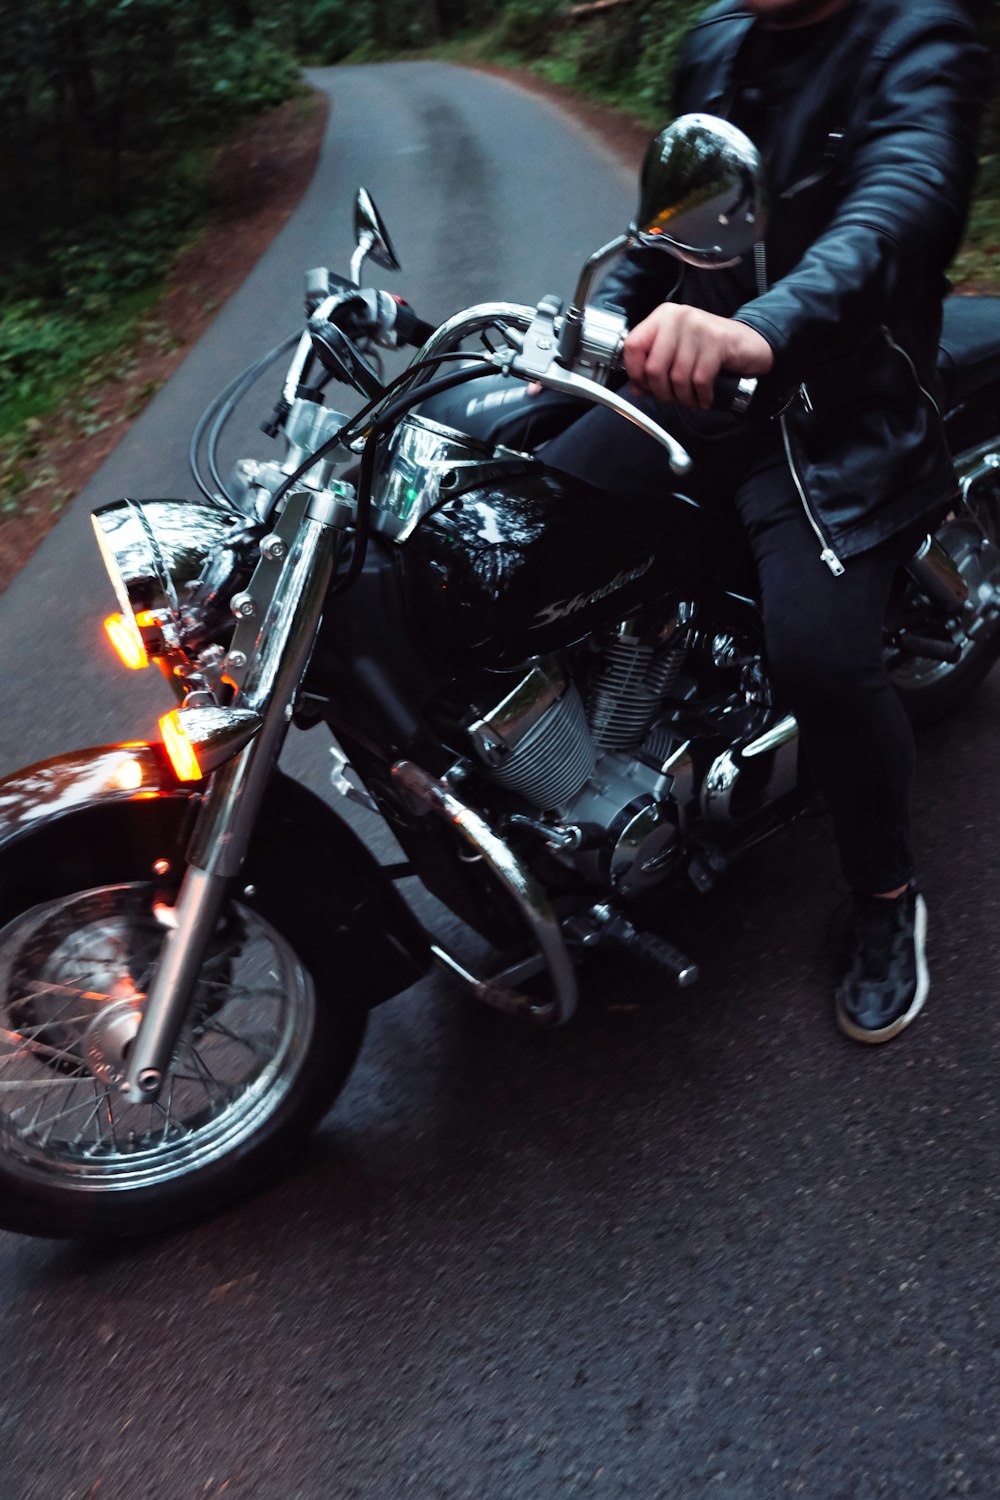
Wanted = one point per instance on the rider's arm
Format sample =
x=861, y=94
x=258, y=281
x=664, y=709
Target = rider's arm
x=910, y=168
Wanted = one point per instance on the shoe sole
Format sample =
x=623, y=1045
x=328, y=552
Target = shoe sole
x=886, y=1033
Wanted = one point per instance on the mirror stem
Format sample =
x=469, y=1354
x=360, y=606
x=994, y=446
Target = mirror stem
x=359, y=257
x=569, y=338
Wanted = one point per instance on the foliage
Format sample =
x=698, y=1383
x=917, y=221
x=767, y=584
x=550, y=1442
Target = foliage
x=106, y=108
x=108, y=112
x=528, y=26
x=664, y=26
x=100, y=100
x=327, y=30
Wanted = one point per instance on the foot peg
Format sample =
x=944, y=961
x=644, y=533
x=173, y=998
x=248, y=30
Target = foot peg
x=920, y=645
x=612, y=927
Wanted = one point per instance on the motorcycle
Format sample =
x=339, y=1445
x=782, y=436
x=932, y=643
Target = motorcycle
x=555, y=720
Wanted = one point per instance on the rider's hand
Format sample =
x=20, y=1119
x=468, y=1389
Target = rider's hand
x=676, y=353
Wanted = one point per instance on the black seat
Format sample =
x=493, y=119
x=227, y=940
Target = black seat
x=969, y=356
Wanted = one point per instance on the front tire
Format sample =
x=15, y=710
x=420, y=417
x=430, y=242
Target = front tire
x=259, y=1063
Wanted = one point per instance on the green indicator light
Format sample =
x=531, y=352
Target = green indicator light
x=411, y=494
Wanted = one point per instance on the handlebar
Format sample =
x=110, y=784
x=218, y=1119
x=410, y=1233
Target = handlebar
x=532, y=333
x=535, y=362
x=570, y=384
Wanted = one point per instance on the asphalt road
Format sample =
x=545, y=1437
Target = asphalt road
x=692, y=1245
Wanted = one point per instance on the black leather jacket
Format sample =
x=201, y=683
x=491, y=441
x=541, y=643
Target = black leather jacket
x=871, y=170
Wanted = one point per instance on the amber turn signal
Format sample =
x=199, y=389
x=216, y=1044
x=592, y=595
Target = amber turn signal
x=126, y=641
x=179, y=748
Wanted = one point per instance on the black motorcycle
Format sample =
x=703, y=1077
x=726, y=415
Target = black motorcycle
x=556, y=717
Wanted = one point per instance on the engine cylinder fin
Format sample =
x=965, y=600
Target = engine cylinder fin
x=554, y=759
x=627, y=690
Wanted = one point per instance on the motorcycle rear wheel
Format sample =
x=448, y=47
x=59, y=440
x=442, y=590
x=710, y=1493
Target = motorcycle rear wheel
x=931, y=690
x=259, y=1063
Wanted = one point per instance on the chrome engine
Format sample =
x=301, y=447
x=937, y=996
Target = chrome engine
x=634, y=676
x=614, y=780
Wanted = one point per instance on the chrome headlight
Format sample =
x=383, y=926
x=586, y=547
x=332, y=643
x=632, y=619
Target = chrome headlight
x=158, y=553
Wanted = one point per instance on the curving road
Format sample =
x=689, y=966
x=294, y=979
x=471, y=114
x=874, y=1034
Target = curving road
x=692, y=1246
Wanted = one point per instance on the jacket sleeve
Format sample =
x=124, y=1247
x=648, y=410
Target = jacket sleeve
x=909, y=170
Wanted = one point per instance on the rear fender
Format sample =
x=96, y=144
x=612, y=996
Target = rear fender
x=106, y=815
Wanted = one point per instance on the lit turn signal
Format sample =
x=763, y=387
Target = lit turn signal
x=127, y=642
x=179, y=748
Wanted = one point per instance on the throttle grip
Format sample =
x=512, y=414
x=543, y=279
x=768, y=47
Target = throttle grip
x=734, y=393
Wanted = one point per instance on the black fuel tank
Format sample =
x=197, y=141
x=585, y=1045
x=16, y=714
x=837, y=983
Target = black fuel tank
x=519, y=568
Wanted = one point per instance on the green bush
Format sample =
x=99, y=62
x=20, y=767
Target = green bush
x=327, y=30
x=529, y=26
x=108, y=109
x=602, y=52
x=99, y=99
x=237, y=73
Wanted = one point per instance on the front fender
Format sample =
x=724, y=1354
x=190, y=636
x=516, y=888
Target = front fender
x=105, y=815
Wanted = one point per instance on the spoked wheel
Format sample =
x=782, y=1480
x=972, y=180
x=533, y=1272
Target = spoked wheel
x=931, y=689
x=257, y=1065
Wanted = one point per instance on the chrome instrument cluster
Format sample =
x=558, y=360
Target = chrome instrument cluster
x=422, y=464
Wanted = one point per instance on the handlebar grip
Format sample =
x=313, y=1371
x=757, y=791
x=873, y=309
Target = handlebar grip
x=734, y=393
x=409, y=328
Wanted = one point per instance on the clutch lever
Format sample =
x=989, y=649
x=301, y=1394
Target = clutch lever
x=555, y=378
x=341, y=358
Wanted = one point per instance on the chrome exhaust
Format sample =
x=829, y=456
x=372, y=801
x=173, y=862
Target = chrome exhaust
x=936, y=574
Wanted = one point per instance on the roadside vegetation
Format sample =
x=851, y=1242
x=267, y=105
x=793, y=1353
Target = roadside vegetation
x=111, y=113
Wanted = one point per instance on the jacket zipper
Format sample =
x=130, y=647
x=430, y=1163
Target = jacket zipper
x=887, y=335
x=827, y=554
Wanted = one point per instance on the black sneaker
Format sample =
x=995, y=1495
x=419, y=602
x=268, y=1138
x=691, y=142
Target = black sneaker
x=886, y=982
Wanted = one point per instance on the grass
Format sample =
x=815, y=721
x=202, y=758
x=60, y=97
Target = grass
x=75, y=310
x=978, y=262
x=95, y=345
x=108, y=351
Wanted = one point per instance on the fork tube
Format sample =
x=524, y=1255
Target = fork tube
x=222, y=832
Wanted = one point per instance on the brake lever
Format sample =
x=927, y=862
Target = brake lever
x=554, y=378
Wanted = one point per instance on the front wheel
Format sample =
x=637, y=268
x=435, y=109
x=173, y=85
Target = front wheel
x=258, y=1064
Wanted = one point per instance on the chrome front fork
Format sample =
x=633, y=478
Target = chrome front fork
x=281, y=613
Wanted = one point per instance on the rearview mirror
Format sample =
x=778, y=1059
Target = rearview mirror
x=371, y=237
x=703, y=195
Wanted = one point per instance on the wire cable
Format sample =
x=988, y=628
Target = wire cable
x=229, y=397
x=344, y=434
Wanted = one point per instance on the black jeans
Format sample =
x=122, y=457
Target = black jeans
x=823, y=634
